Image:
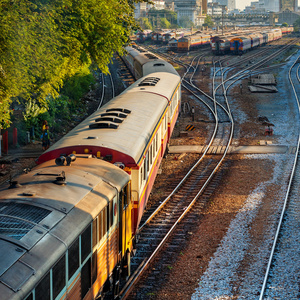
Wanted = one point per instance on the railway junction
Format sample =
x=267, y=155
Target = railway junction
x=220, y=249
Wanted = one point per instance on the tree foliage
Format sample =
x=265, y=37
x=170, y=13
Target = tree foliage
x=44, y=42
x=185, y=22
x=208, y=21
x=145, y=23
x=164, y=23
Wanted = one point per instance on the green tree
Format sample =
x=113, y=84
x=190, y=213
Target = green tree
x=45, y=42
x=208, y=22
x=145, y=23
x=185, y=22
x=284, y=24
x=164, y=23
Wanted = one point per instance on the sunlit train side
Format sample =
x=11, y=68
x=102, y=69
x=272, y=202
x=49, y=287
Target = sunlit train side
x=187, y=43
x=68, y=227
x=132, y=130
x=65, y=230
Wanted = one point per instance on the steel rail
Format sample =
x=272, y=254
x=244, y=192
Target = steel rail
x=286, y=196
x=128, y=287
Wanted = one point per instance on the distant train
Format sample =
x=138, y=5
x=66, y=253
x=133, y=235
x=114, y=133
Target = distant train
x=143, y=36
x=239, y=44
x=67, y=228
x=187, y=43
x=142, y=62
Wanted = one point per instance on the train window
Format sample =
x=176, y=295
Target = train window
x=156, y=141
x=151, y=155
x=86, y=278
x=145, y=169
x=59, y=276
x=128, y=193
x=148, y=162
x=95, y=235
x=85, y=244
x=94, y=267
x=111, y=214
x=104, y=221
x=42, y=291
x=73, y=258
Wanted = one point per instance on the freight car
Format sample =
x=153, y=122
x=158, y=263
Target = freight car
x=68, y=227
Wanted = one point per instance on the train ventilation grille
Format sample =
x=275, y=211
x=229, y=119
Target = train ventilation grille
x=17, y=219
x=159, y=65
x=123, y=110
x=149, y=81
x=109, y=119
x=151, y=56
x=103, y=125
x=114, y=114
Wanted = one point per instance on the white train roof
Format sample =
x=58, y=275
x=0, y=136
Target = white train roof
x=142, y=104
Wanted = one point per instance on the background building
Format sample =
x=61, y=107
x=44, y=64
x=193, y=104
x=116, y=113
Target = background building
x=191, y=9
x=230, y=4
x=288, y=5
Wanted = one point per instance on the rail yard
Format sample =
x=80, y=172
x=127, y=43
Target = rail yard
x=223, y=210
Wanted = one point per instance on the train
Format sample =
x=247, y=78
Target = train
x=239, y=44
x=68, y=226
x=143, y=36
x=187, y=43
x=141, y=62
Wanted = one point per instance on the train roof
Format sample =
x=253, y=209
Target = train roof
x=158, y=65
x=48, y=215
x=240, y=38
x=142, y=106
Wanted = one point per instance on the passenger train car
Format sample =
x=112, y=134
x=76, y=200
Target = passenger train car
x=220, y=44
x=187, y=43
x=240, y=43
x=142, y=36
x=142, y=62
x=68, y=227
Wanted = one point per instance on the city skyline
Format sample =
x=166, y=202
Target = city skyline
x=241, y=4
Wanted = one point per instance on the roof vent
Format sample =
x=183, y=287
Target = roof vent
x=101, y=125
x=159, y=65
x=109, y=119
x=124, y=110
x=151, y=56
x=114, y=114
x=149, y=81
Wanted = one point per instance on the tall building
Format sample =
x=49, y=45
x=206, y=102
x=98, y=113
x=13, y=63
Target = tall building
x=270, y=5
x=191, y=9
x=288, y=5
x=230, y=4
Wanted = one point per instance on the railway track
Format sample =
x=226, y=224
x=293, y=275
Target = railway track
x=160, y=222
x=281, y=279
x=167, y=213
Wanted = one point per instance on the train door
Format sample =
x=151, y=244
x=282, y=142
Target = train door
x=218, y=47
x=236, y=46
x=125, y=219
